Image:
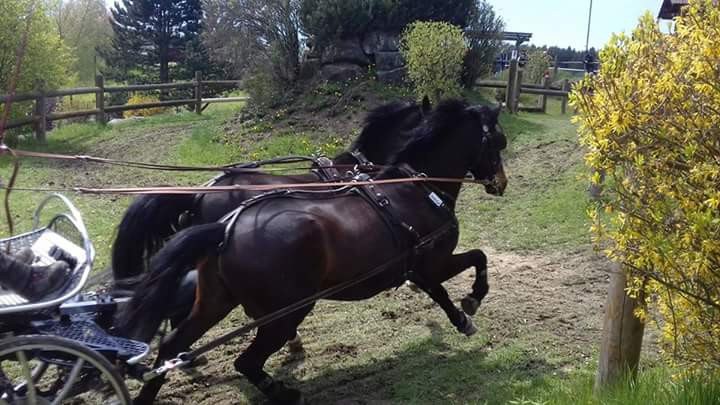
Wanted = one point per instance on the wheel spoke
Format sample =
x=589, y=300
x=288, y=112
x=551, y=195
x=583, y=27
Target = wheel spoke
x=25, y=365
x=39, y=371
x=74, y=373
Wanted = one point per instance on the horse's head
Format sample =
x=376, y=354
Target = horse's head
x=488, y=165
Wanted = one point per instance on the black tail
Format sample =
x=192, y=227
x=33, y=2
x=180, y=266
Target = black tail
x=153, y=297
x=147, y=223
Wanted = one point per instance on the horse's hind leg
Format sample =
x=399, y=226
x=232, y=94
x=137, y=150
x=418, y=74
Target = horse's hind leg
x=268, y=340
x=209, y=309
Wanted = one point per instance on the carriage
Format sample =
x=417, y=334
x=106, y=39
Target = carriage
x=62, y=349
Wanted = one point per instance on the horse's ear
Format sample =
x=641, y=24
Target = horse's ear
x=426, y=107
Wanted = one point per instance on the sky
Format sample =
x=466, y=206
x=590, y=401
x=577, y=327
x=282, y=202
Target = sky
x=563, y=23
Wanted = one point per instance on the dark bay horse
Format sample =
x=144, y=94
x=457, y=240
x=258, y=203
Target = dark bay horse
x=279, y=250
x=151, y=219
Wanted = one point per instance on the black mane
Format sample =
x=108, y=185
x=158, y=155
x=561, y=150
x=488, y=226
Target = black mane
x=379, y=121
x=446, y=115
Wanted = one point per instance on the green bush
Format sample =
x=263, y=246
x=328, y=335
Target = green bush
x=434, y=52
x=538, y=63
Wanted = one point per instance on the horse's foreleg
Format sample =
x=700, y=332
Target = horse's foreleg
x=458, y=318
x=268, y=340
x=461, y=262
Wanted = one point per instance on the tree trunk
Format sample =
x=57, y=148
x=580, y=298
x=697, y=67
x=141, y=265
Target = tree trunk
x=164, y=70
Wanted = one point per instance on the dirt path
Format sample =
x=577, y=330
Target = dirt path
x=547, y=304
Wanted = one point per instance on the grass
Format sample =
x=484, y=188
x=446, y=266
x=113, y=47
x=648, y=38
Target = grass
x=545, y=204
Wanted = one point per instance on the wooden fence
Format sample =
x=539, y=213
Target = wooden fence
x=41, y=116
x=514, y=87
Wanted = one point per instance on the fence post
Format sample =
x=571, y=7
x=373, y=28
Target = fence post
x=565, y=87
x=510, y=90
x=100, y=100
x=40, y=112
x=198, y=92
x=622, y=334
x=543, y=99
x=518, y=87
x=556, y=68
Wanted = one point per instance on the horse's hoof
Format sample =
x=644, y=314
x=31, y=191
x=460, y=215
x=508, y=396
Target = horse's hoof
x=295, y=346
x=469, y=328
x=470, y=305
x=413, y=287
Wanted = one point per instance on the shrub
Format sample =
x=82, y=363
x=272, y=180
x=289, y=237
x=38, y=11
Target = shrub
x=434, y=52
x=146, y=112
x=650, y=120
x=538, y=63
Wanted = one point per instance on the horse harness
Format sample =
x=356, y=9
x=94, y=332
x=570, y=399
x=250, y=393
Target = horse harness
x=323, y=167
x=404, y=235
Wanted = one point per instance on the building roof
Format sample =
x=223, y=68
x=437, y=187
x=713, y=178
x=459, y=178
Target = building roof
x=671, y=9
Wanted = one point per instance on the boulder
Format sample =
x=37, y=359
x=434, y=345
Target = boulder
x=339, y=72
x=394, y=76
x=344, y=51
x=378, y=41
x=385, y=61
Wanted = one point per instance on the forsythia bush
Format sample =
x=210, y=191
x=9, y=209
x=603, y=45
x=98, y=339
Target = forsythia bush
x=142, y=99
x=434, y=52
x=651, y=121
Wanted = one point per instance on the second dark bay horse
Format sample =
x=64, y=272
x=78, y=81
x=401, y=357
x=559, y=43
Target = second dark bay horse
x=151, y=219
x=279, y=250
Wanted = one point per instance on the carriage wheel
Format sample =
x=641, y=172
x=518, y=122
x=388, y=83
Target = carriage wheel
x=47, y=370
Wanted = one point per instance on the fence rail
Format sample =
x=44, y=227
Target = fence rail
x=514, y=87
x=41, y=116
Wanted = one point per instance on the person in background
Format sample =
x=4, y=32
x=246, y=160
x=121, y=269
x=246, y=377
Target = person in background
x=33, y=283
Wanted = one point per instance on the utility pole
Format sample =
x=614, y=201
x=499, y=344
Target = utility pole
x=587, y=40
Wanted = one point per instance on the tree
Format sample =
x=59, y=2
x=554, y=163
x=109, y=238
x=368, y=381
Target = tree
x=84, y=26
x=434, y=52
x=152, y=34
x=484, y=37
x=46, y=57
x=650, y=121
x=252, y=34
x=326, y=20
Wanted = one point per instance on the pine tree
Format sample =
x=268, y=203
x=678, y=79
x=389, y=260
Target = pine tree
x=152, y=34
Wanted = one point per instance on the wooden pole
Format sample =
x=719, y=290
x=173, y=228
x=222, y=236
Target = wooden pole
x=198, y=92
x=555, y=68
x=510, y=90
x=516, y=95
x=622, y=334
x=40, y=112
x=100, y=100
x=543, y=98
x=563, y=105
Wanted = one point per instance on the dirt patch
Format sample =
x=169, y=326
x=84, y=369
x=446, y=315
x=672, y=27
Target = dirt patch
x=551, y=303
